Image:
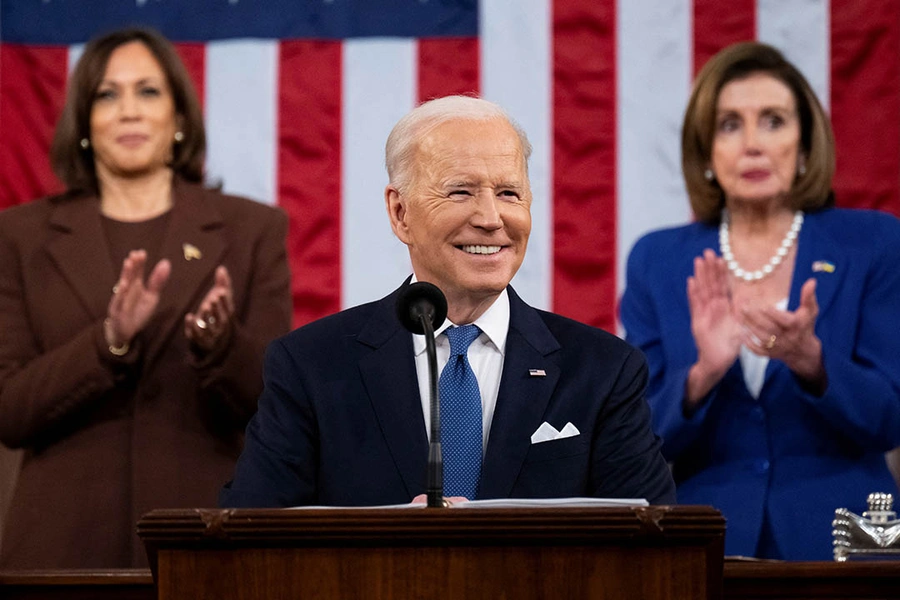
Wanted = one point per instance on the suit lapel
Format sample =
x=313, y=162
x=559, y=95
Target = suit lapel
x=818, y=256
x=389, y=375
x=522, y=400
x=195, y=245
x=81, y=252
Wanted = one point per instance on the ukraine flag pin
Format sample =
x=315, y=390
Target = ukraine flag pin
x=823, y=266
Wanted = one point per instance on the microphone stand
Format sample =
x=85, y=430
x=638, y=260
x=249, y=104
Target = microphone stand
x=435, y=460
x=421, y=307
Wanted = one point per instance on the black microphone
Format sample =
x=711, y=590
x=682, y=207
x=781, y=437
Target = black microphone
x=421, y=308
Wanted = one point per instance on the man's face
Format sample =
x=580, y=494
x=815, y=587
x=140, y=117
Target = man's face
x=466, y=213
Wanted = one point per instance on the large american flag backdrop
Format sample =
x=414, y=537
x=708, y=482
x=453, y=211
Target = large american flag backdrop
x=299, y=96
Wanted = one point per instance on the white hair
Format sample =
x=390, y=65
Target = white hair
x=401, y=143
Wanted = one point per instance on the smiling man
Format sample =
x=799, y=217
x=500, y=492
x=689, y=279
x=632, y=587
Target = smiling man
x=533, y=405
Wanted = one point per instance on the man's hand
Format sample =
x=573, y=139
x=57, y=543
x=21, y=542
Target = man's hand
x=423, y=499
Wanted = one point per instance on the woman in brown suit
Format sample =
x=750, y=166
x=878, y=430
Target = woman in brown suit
x=134, y=311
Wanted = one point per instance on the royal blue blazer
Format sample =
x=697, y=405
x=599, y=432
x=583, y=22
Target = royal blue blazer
x=340, y=420
x=789, y=456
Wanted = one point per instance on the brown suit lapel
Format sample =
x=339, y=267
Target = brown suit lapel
x=195, y=246
x=80, y=250
x=193, y=243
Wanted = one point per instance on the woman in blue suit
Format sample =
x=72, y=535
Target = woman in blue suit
x=769, y=323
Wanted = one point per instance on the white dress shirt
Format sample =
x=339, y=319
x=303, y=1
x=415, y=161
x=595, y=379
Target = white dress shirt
x=485, y=356
x=754, y=365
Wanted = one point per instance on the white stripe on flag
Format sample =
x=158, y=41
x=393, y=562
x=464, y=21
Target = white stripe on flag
x=75, y=52
x=379, y=87
x=654, y=70
x=800, y=29
x=516, y=72
x=241, y=108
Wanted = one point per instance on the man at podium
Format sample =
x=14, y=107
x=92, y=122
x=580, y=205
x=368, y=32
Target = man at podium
x=532, y=405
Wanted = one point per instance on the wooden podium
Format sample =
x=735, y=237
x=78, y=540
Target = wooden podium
x=655, y=552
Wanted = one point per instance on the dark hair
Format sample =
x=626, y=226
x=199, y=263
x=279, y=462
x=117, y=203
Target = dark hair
x=809, y=192
x=73, y=164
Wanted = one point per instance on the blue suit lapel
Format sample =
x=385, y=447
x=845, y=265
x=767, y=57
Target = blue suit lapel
x=818, y=256
x=389, y=375
x=522, y=399
x=816, y=250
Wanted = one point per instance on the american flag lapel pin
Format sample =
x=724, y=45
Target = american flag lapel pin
x=537, y=372
x=823, y=266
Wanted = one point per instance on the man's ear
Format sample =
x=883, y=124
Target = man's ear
x=396, y=208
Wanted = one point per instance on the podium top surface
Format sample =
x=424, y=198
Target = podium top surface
x=386, y=526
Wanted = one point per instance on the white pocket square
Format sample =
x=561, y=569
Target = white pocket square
x=547, y=432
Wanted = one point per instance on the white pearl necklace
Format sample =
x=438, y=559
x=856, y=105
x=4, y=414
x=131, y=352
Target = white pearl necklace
x=783, y=249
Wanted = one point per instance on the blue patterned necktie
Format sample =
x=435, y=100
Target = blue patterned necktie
x=461, y=429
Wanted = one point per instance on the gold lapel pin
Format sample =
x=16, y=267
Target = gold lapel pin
x=191, y=251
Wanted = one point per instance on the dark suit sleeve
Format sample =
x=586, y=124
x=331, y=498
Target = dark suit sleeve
x=277, y=466
x=234, y=377
x=626, y=461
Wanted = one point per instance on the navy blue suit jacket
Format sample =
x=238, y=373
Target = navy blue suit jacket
x=790, y=456
x=340, y=421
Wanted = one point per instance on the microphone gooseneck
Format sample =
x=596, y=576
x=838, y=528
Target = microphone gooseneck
x=421, y=307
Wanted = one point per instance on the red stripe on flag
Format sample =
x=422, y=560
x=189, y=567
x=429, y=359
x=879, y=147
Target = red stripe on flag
x=32, y=93
x=584, y=160
x=865, y=102
x=309, y=167
x=448, y=66
x=193, y=55
x=718, y=24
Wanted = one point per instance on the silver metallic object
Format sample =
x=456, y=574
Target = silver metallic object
x=875, y=534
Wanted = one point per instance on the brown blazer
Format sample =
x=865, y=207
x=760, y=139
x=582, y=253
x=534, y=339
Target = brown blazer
x=107, y=438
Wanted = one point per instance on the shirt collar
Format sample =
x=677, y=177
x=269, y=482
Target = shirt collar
x=494, y=323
